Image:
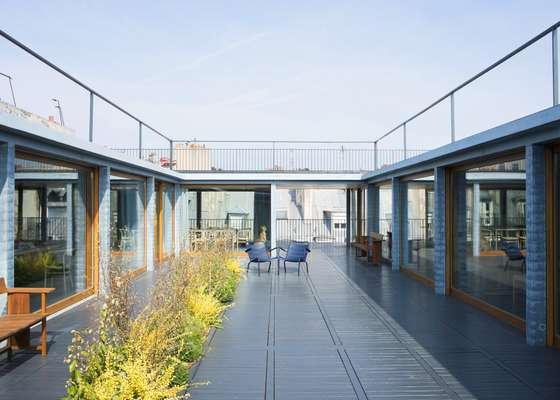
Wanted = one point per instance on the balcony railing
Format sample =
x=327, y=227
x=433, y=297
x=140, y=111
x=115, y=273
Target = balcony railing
x=368, y=157
x=271, y=156
x=317, y=231
x=39, y=229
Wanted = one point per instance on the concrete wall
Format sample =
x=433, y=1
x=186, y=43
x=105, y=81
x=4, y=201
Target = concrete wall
x=536, y=245
x=7, y=212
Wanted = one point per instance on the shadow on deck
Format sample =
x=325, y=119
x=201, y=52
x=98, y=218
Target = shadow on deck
x=352, y=330
x=348, y=331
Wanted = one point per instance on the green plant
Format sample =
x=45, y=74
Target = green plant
x=30, y=267
x=148, y=355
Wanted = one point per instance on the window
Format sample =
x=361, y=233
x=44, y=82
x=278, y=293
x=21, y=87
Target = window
x=386, y=219
x=489, y=236
x=418, y=248
x=240, y=216
x=127, y=233
x=52, y=227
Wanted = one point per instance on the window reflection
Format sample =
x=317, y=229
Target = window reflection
x=490, y=235
x=418, y=249
x=385, y=219
x=127, y=221
x=50, y=202
x=233, y=216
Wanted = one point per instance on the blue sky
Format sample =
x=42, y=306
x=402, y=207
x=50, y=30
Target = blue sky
x=280, y=70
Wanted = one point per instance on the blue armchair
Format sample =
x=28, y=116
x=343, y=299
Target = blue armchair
x=297, y=252
x=259, y=253
x=513, y=253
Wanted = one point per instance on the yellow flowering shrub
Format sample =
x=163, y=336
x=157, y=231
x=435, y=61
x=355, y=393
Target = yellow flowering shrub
x=148, y=354
x=205, y=307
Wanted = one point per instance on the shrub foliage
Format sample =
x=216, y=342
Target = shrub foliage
x=147, y=354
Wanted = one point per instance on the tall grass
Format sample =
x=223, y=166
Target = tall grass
x=148, y=354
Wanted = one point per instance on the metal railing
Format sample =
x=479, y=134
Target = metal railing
x=552, y=31
x=221, y=223
x=24, y=165
x=37, y=229
x=93, y=94
x=508, y=166
x=271, y=159
x=271, y=156
x=312, y=230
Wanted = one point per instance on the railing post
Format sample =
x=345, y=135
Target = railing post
x=12, y=90
x=555, y=69
x=170, y=154
x=140, y=140
x=375, y=159
x=404, y=139
x=91, y=117
x=452, y=103
x=273, y=156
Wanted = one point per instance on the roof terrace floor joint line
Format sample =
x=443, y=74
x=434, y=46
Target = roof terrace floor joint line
x=479, y=349
x=355, y=381
x=270, y=378
x=379, y=315
x=418, y=357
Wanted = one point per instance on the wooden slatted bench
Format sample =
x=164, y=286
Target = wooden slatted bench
x=361, y=246
x=369, y=246
x=15, y=325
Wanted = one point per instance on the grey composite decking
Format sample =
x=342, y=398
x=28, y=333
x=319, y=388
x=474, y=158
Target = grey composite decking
x=349, y=331
x=30, y=376
x=352, y=331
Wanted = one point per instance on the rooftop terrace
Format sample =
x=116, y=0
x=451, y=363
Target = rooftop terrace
x=466, y=303
x=348, y=330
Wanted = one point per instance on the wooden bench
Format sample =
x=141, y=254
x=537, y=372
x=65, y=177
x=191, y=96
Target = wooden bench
x=361, y=246
x=369, y=246
x=15, y=325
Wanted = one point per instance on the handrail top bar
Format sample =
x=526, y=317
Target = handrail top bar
x=76, y=81
x=273, y=141
x=475, y=77
x=7, y=76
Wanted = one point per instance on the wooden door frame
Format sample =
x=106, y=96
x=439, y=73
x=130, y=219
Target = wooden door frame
x=91, y=204
x=496, y=312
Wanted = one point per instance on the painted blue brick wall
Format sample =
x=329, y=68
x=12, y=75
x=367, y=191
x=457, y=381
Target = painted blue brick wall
x=536, y=245
x=7, y=170
x=150, y=215
x=439, y=230
x=104, y=227
x=373, y=208
x=396, y=216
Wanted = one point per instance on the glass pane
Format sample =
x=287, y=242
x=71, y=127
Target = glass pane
x=127, y=222
x=236, y=215
x=311, y=214
x=489, y=235
x=418, y=250
x=386, y=219
x=50, y=228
